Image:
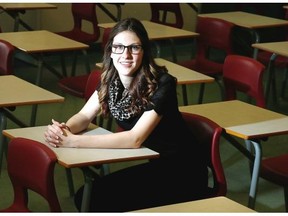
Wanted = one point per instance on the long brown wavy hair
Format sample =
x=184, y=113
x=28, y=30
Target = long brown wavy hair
x=145, y=81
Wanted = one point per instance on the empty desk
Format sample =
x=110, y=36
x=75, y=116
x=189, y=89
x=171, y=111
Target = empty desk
x=249, y=21
x=14, y=10
x=37, y=43
x=245, y=121
x=213, y=205
x=84, y=157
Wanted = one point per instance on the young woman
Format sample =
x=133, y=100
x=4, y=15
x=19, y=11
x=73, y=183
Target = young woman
x=142, y=97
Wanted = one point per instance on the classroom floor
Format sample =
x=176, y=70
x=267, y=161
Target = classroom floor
x=270, y=197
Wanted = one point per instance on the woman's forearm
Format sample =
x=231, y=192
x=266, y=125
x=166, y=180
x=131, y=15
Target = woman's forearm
x=78, y=123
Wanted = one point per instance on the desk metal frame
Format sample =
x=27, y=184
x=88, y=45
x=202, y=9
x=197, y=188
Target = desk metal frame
x=15, y=9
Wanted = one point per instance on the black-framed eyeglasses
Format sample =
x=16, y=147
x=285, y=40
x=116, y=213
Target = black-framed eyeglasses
x=133, y=49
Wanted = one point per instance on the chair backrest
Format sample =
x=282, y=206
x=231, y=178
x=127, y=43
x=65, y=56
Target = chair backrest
x=164, y=8
x=92, y=84
x=208, y=134
x=6, y=58
x=30, y=165
x=213, y=34
x=86, y=12
x=244, y=74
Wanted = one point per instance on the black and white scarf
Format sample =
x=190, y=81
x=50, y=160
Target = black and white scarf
x=120, y=102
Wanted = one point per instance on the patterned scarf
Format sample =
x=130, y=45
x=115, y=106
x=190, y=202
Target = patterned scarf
x=120, y=102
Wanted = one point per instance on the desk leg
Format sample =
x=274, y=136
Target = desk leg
x=15, y=15
x=39, y=73
x=257, y=40
x=184, y=94
x=173, y=50
x=253, y=157
x=271, y=79
x=42, y=63
x=16, y=23
x=3, y=124
x=255, y=173
x=89, y=177
x=33, y=115
x=114, y=18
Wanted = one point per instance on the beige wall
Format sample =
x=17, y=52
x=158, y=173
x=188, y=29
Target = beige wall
x=60, y=19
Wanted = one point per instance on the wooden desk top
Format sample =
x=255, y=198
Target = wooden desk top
x=241, y=119
x=41, y=41
x=280, y=48
x=16, y=92
x=217, y=204
x=26, y=6
x=157, y=31
x=80, y=157
x=247, y=20
x=184, y=75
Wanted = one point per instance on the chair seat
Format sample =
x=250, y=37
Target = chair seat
x=74, y=85
x=80, y=36
x=275, y=169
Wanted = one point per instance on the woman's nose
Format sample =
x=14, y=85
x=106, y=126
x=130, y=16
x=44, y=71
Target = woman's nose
x=126, y=52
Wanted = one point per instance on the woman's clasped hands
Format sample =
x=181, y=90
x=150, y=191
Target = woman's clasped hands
x=58, y=135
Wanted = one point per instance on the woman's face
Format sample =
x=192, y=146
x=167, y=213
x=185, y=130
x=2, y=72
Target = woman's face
x=126, y=53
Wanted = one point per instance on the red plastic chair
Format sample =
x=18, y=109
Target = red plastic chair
x=159, y=14
x=275, y=170
x=244, y=74
x=76, y=85
x=83, y=12
x=164, y=8
x=31, y=167
x=214, y=34
x=209, y=133
x=279, y=62
x=7, y=58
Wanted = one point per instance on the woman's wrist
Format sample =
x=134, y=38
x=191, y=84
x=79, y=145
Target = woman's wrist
x=66, y=127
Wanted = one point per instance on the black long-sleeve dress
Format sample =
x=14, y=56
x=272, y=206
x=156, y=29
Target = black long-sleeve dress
x=178, y=175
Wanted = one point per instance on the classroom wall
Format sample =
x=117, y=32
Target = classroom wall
x=60, y=19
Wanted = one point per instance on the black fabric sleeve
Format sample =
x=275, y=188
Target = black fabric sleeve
x=164, y=95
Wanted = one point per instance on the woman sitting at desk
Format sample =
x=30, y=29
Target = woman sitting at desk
x=142, y=97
